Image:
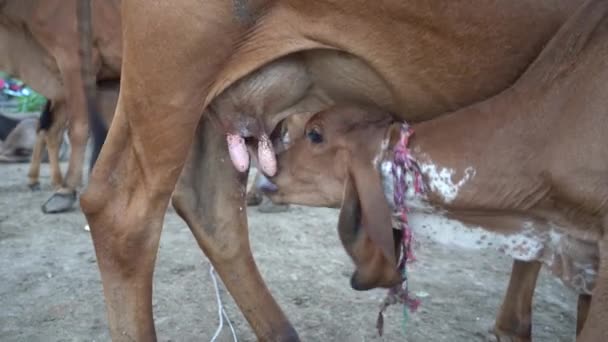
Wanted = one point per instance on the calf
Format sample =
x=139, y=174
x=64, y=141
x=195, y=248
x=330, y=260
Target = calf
x=530, y=182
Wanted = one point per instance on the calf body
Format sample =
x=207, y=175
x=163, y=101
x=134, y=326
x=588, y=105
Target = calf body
x=530, y=181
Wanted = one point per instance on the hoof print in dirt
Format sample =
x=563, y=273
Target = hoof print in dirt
x=34, y=186
x=59, y=203
x=268, y=207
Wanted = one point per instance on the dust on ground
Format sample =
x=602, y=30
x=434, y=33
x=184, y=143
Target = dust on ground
x=50, y=288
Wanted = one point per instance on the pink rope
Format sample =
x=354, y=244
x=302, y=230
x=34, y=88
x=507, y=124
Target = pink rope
x=403, y=164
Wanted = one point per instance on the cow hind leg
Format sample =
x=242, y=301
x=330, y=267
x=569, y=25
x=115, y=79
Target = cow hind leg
x=62, y=200
x=54, y=139
x=33, y=175
x=514, y=321
x=65, y=196
x=161, y=102
x=219, y=223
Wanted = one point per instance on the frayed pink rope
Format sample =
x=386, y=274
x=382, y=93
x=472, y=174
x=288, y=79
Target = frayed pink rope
x=403, y=163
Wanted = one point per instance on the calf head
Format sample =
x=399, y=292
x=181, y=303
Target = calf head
x=332, y=165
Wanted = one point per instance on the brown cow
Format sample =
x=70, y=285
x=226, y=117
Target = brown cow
x=178, y=58
x=39, y=44
x=523, y=172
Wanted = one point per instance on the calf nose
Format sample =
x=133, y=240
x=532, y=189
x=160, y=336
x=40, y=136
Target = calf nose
x=356, y=283
x=265, y=185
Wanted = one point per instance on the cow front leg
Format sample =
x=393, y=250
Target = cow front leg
x=210, y=197
x=514, y=320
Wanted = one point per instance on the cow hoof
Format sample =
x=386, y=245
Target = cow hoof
x=59, y=203
x=268, y=207
x=254, y=198
x=34, y=186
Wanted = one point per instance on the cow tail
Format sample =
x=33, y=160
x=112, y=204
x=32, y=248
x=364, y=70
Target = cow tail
x=88, y=74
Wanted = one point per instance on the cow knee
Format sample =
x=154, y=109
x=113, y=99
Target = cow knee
x=125, y=237
x=95, y=197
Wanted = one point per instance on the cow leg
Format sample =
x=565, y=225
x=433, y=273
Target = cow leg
x=595, y=327
x=254, y=195
x=582, y=309
x=218, y=220
x=162, y=94
x=54, y=139
x=514, y=321
x=33, y=175
x=64, y=198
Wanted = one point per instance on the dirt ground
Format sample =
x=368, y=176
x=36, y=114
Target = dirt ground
x=50, y=288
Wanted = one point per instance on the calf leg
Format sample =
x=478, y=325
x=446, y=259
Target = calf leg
x=514, y=321
x=218, y=220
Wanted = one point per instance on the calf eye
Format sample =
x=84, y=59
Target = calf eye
x=314, y=136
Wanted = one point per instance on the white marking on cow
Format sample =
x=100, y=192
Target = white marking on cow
x=524, y=245
x=546, y=243
x=440, y=180
x=378, y=159
x=415, y=202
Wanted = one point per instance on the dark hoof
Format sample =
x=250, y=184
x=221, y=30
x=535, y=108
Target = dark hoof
x=268, y=207
x=254, y=198
x=59, y=203
x=34, y=186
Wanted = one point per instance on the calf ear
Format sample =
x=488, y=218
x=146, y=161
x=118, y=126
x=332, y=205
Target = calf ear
x=365, y=206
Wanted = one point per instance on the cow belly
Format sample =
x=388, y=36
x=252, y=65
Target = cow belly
x=572, y=260
x=523, y=245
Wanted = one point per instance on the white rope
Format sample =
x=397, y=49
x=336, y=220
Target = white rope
x=221, y=312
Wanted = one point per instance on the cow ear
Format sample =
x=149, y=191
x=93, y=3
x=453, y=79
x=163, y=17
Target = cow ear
x=365, y=206
x=349, y=221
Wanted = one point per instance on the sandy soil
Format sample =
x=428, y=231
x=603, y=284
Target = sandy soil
x=50, y=288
